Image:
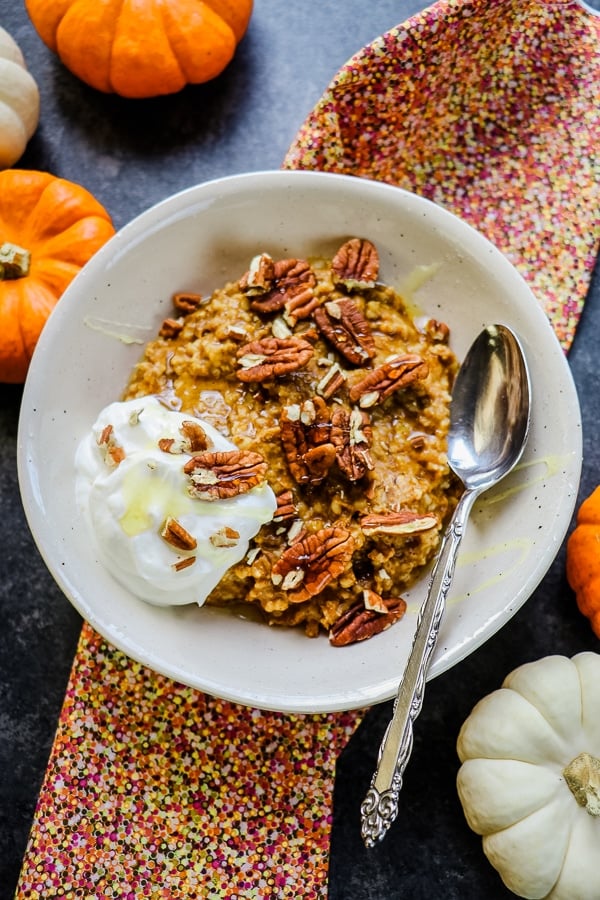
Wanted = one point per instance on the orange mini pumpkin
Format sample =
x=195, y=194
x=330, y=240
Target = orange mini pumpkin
x=49, y=228
x=583, y=559
x=142, y=48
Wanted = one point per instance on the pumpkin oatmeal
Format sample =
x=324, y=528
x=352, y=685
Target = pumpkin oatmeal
x=319, y=370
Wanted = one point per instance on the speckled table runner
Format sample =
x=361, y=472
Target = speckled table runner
x=153, y=789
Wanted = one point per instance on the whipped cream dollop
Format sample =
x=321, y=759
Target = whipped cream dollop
x=134, y=493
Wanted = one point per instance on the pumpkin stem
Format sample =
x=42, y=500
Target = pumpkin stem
x=583, y=778
x=14, y=261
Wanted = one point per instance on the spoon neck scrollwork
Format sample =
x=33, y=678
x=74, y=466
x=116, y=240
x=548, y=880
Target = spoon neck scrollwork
x=380, y=806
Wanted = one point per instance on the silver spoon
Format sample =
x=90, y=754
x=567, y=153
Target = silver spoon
x=489, y=422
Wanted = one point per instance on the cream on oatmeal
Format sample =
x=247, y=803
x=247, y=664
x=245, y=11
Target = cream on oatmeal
x=147, y=492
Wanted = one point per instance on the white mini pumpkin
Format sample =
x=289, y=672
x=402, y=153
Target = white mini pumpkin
x=19, y=102
x=529, y=782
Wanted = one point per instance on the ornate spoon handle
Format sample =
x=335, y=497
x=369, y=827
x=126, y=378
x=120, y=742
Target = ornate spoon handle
x=380, y=806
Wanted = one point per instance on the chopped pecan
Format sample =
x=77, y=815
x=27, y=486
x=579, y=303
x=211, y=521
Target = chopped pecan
x=356, y=264
x=314, y=414
x=296, y=531
x=280, y=328
x=170, y=328
x=309, y=334
x=351, y=435
x=259, y=277
x=193, y=439
x=113, y=453
x=170, y=445
x=286, y=508
x=379, y=383
x=437, y=331
x=224, y=473
x=252, y=555
x=402, y=522
x=305, y=436
x=194, y=436
x=308, y=565
x=360, y=623
x=272, y=357
x=225, y=537
x=135, y=415
x=331, y=382
x=237, y=333
x=184, y=563
x=177, y=536
x=291, y=288
x=186, y=302
x=418, y=441
x=344, y=326
x=374, y=601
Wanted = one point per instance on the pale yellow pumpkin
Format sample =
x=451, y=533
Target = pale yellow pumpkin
x=19, y=102
x=529, y=782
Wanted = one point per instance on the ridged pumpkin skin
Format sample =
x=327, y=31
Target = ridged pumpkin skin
x=62, y=225
x=583, y=559
x=19, y=102
x=142, y=48
x=529, y=777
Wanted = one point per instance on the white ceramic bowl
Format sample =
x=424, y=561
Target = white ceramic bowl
x=201, y=238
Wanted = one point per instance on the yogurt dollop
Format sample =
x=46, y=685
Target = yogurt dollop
x=132, y=493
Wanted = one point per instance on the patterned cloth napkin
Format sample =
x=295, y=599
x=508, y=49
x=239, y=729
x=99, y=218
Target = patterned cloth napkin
x=490, y=108
x=153, y=789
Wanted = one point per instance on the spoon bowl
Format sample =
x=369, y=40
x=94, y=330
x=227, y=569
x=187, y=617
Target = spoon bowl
x=489, y=412
x=489, y=424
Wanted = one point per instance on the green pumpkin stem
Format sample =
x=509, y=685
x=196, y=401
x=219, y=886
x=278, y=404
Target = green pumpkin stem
x=14, y=261
x=583, y=778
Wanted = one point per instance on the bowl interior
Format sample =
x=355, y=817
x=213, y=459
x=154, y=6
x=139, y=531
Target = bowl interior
x=198, y=240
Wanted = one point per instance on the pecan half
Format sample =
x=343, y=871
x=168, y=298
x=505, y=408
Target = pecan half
x=356, y=264
x=112, y=452
x=186, y=302
x=291, y=287
x=359, y=623
x=224, y=474
x=344, y=326
x=402, y=522
x=305, y=436
x=177, y=536
x=307, y=566
x=272, y=357
x=351, y=435
x=318, y=461
x=193, y=439
x=379, y=383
